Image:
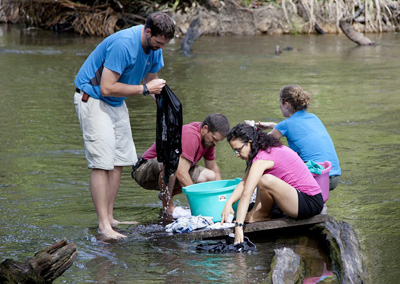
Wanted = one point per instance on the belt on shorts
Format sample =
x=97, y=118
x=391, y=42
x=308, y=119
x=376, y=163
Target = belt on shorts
x=137, y=165
x=85, y=96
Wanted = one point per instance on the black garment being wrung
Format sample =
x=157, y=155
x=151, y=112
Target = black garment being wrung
x=168, y=130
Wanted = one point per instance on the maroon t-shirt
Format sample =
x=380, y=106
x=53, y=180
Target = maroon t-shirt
x=192, y=148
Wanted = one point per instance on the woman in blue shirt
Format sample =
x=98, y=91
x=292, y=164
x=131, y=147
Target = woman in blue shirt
x=305, y=132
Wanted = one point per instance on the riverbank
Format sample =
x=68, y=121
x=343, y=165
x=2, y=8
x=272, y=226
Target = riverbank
x=44, y=181
x=213, y=17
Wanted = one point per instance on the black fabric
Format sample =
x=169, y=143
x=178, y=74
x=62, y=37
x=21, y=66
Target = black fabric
x=227, y=246
x=276, y=212
x=168, y=130
x=309, y=206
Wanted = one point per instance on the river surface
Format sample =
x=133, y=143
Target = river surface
x=44, y=189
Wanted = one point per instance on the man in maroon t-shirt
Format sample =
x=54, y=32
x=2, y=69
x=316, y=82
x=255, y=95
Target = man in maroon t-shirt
x=198, y=141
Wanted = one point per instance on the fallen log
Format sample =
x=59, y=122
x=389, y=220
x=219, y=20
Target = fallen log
x=192, y=34
x=44, y=267
x=344, y=250
x=357, y=37
x=278, y=223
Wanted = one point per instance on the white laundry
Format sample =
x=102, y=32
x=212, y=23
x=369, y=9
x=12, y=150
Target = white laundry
x=189, y=224
x=218, y=225
x=181, y=212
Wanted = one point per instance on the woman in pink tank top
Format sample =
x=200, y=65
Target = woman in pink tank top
x=279, y=175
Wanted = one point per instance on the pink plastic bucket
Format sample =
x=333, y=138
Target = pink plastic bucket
x=323, y=179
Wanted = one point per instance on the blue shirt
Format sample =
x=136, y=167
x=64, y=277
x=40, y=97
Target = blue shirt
x=123, y=53
x=308, y=137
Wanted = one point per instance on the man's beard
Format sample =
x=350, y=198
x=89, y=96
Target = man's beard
x=149, y=46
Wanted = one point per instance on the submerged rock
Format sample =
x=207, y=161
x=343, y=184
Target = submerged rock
x=344, y=250
x=287, y=267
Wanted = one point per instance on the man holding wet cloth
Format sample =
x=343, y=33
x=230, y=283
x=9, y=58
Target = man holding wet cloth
x=113, y=72
x=198, y=142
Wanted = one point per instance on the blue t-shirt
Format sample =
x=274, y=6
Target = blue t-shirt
x=121, y=52
x=308, y=137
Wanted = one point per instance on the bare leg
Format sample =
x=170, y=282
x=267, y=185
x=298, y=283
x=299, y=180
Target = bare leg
x=282, y=193
x=257, y=213
x=272, y=189
x=206, y=175
x=166, y=191
x=100, y=191
x=114, y=178
x=176, y=190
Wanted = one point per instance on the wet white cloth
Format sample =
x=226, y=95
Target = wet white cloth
x=188, y=224
x=181, y=212
x=254, y=196
x=218, y=225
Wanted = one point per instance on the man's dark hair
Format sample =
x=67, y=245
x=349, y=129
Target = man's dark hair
x=217, y=122
x=160, y=24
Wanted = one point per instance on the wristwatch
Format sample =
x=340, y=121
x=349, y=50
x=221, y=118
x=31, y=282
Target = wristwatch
x=145, y=90
x=239, y=224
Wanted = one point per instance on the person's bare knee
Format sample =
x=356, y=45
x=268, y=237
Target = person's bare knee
x=266, y=182
x=206, y=175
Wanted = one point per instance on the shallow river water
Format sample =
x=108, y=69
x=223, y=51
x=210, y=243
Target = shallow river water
x=44, y=190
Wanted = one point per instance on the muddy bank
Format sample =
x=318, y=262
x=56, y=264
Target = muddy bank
x=297, y=17
x=214, y=17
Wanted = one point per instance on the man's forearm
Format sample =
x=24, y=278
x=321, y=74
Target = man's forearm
x=184, y=179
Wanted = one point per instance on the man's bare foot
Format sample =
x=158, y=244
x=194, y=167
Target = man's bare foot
x=115, y=223
x=166, y=213
x=256, y=216
x=166, y=218
x=110, y=234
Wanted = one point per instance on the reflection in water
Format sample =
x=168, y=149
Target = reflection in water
x=44, y=190
x=326, y=274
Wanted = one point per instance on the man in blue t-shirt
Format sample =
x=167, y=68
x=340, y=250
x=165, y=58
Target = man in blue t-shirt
x=113, y=72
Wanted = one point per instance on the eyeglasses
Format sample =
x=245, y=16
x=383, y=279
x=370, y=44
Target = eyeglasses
x=237, y=151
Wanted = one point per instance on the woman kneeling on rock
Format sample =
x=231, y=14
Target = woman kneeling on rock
x=279, y=174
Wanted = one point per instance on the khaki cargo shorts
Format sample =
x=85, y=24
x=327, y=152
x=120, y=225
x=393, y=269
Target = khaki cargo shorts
x=107, y=133
x=147, y=174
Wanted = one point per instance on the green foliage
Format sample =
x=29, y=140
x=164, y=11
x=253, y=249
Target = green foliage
x=296, y=29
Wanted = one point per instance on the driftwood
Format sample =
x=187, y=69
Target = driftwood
x=357, y=37
x=192, y=34
x=278, y=223
x=344, y=250
x=44, y=267
x=344, y=253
